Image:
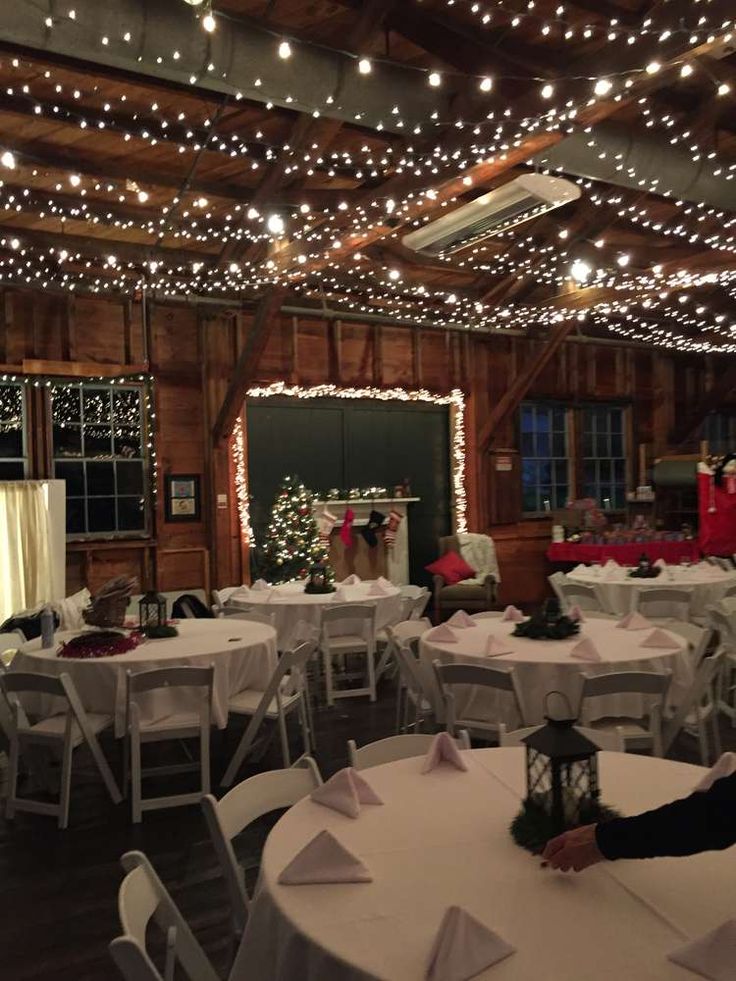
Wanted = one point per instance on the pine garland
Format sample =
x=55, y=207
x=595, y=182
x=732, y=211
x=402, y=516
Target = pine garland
x=533, y=827
x=541, y=627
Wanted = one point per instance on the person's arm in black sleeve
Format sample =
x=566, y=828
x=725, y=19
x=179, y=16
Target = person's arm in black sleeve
x=704, y=821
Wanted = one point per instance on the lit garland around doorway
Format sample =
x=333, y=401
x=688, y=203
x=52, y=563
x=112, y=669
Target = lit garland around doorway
x=455, y=400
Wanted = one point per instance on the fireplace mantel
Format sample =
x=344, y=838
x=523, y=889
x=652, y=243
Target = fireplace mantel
x=396, y=558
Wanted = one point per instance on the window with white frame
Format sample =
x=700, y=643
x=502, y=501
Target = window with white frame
x=545, y=459
x=13, y=452
x=604, y=455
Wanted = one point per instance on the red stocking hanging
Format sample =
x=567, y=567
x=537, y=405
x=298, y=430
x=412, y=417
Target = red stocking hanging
x=394, y=520
x=346, y=531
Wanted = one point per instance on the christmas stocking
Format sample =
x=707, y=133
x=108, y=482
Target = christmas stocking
x=394, y=520
x=346, y=531
x=326, y=521
x=368, y=531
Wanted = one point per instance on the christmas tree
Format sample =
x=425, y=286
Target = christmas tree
x=292, y=542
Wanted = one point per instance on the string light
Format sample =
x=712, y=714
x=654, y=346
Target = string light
x=241, y=481
x=434, y=79
x=7, y=159
x=365, y=66
x=209, y=23
x=486, y=84
x=580, y=271
x=284, y=50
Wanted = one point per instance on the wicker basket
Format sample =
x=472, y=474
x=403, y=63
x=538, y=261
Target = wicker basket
x=107, y=612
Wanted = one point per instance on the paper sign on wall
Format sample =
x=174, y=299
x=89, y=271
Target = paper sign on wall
x=504, y=463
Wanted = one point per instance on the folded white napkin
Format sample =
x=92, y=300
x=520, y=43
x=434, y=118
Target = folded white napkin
x=585, y=650
x=376, y=589
x=259, y=585
x=339, y=596
x=659, y=638
x=386, y=583
x=443, y=750
x=463, y=948
x=345, y=792
x=660, y=563
x=611, y=564
x=513, y=614
x=461, y=619
x=724, y=766
x=496, y=647
x=580, y=570
x=712, y=956
x=352, y=580
x=576, y=614
x=634, y=621
x=443, y=633
x=324, y=859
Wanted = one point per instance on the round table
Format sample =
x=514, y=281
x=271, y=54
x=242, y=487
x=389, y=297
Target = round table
x=289, y=604
x=244, y=656
x=442, y=839
x=541, y=666
x=705, y=583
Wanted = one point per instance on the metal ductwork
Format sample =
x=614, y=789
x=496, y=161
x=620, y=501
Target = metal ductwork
x=242, y=53
x=618, y=149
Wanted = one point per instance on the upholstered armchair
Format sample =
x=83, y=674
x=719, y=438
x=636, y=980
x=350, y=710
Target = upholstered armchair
x=473, y=595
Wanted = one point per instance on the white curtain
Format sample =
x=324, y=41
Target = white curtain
x=25, y=548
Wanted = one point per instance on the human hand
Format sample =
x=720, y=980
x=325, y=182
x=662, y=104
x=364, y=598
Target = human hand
x=576, y=849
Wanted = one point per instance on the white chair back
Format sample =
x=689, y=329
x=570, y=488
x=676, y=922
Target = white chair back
x=449, y=676
x=609, y=740
x=256, y=614
x=245, y=803
x=556, y=580
x=221, y=596
x=396, y=748
x=698, y=638
x=349, y=618
x=700, y=696
x=9, y=644
x=663, y=603
x=419, y=597
x=573, y=593
x=143, y=897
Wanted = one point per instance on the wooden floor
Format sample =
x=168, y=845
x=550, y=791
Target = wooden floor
x=58, y=888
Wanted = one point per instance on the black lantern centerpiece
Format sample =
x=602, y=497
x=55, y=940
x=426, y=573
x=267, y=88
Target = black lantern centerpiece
x=645, y=568
x=320, y=579
x=152, y=616
x=562, y=790
x=549, y=623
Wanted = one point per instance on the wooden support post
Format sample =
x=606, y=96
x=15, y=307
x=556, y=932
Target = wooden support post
x=247, y=365
x=520, y=386
x=377, y=354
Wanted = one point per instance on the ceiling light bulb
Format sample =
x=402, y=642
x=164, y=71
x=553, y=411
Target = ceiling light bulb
x=563, y=233
x=547, y=91
x=435, y=79
x=14, y=243
x=623, y=259
x=208, y=22
x=75, y=180
x=724, y=88
x=8, y=160
x=304, y=208
x=580, y=270
x=686, y=70
x=602, y=86
x=252, y=214
x=275, y=224
x=63, y=255
x=112, y=260
x=486, y=84
x=394, y=274
x=284, y=50
x=142, y=196
x=653, y=67
x=364, y=66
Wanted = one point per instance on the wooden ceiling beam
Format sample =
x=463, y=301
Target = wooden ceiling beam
x=246, y=368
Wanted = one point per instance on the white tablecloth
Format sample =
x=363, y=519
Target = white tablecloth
x=706, y=584
x=442, y=839
x=290, y=604
x=542, y=666
x=244, y=656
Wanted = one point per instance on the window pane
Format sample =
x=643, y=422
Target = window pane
x=544, y=463
x=127, y=407
x=558, y=445
x=617, y=445
x=75, y=524
x=527, y=444
x=66, y=405
x=130, y=477
x=601, y=443
x=543, y=444
x=100, y=479
x=101, y=514
x=617, y=420
x=73, y=474
x=96, y=405
x=604, y=455
x=11, y=442
x=127, y=442
x=529, y=499
x=131, y=514
x=67, y=440
x=12, y=470
x=97, y=441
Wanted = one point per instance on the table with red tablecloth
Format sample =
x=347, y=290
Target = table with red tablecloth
x=628, y=554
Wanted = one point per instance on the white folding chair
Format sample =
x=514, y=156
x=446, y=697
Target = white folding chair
x=9, y=644
x=725, y=624
x=698, y=707
x=451, y=676
x=143, y=897
x=254, y=614
x=573, y=593
x=731, y=591
x=406, y=631
x=419, y=596
x=396, y=748
x=414, y=690
x=65, y=730
x=698, y=638
x=349, y=629
x=667, y=602
x=245, y=803
x=642, y=731
x=185, y=724
x=556, y=580
x=287, y=690
x=608, y=740
x=220, y=598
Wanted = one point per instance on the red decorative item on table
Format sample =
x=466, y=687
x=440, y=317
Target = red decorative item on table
x=99, y=643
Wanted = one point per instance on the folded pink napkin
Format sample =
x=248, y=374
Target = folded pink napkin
x=611, y=564
x=443, y=750
x=513, y=614
x=659, y=638
x=377, y=590
x=461, y=619
x=352, y=580
x=444, y=634
x=576, y=614
x=585, y=650
x=495, y=647
x=634, y=621
x=386, y=583
x=463, y=948
x=724, y=766
x=345, y=792
x=339, y=596
x=712, y=956
x=660, y=563
x=260, y=585
x=324, y=859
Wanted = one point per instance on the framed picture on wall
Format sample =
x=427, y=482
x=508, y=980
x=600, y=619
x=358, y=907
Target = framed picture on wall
x=183, y=500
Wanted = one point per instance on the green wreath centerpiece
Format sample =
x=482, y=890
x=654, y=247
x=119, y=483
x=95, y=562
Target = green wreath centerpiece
x=547, y=624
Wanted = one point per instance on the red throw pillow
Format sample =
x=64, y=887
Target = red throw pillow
x=452, y=567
